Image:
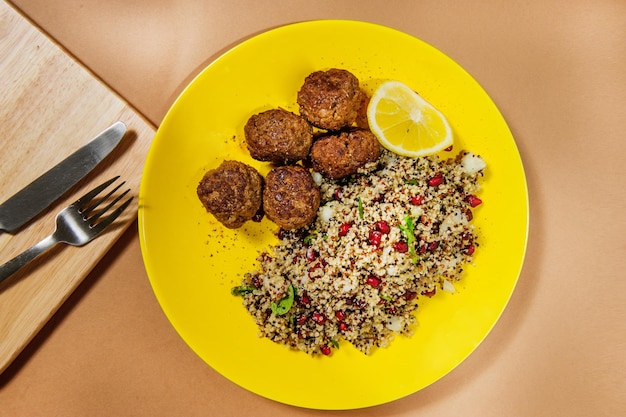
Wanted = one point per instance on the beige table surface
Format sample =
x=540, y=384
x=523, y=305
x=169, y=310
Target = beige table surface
x=557, y=71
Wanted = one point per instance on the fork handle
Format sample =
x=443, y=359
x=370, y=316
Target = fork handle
x=21, y=260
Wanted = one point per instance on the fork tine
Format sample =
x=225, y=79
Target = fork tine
x=111, y=217
x=96, y=216
x=91, y=194
x=85, y=212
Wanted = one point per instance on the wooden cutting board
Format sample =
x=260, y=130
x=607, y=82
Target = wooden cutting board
x=50, y=106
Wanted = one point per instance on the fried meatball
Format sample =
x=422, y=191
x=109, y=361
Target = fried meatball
x=330, y=99
x=337, y=156
x=231, y=192
x=361, y=119
x=290, y=197
x=278, y=136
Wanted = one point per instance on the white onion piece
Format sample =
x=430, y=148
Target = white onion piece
x=395, y=324
x=472, y=163
x=317, y=177
x=448, y=286
x=326, y=212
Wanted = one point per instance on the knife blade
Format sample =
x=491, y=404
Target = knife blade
x=45, y=190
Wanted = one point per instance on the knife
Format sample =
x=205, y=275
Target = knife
x=39, y=194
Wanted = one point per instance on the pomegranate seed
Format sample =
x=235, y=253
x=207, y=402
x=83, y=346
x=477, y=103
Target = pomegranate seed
x=382, y=226
x=417, y=201
x=338, y=194
x=470, y=250
x=433, y=245
x=304, y=299
x=343, y=326
x=375, y=237
x=343, y=229
x=449, y=148
x=466, y=236
x=409, y=295
x=373, y=281
x=430, y=293
x=401, y=247
x=473, y=200
x=301, y=319
x=325, y=349
x=469, y=215
x=392, y=310
x=318, y=318
x=341, y=315
x=436, y=181
x=311, y=254
x=378, y=198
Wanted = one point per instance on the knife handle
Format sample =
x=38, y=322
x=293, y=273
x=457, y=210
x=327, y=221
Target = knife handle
x=15, y=264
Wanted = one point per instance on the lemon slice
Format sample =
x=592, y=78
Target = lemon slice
x=405, y=123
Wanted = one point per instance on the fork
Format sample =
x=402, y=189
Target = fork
x=77, y=224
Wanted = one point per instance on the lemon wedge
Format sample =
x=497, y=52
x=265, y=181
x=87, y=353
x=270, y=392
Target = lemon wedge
x=405, y=123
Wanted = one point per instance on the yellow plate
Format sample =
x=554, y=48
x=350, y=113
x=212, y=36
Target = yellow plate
x=192, y=261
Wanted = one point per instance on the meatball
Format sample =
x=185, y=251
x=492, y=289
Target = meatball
x=343, y=154
x=232, y=193
x=291, y=198
x=278, y=136
x=361, y=118
x=330, y=99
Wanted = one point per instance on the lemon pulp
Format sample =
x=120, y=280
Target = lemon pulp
x=405, y=123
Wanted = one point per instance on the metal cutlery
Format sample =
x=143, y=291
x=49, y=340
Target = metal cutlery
x=77, y=224
x=39, y=194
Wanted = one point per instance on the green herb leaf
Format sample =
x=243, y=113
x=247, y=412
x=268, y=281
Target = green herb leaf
x=241, y=290
x=407, y=228
x=360, y=208
x=385, y=297
x=307, y=240
x=334, y=343
x=408, y=231
x=284, y=305
x=411, y=182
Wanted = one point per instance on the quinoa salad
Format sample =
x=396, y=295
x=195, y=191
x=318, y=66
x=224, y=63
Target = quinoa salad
x=398, y=230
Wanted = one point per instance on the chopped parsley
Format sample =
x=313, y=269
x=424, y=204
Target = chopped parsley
x=360, y=202
x=241, y=290
x=284, y=304
x=408, y=231
x=308, y=239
